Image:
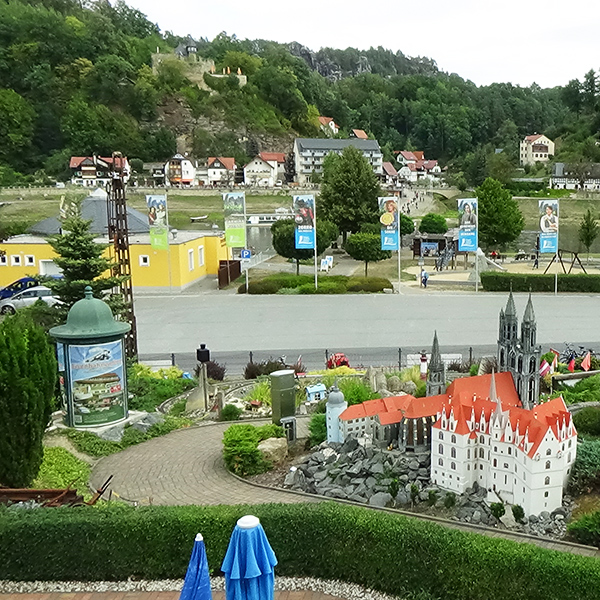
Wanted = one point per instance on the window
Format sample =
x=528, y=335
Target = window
x=200, y=256
x=481, y=440
x=569, y=457
x=506, y=465
x=547, y=464
x=495, y=463
x=547, y=481
x=29, y=260
x=453, y=452
x=545, y=494
x=15, y=260
x=191, y=260
x=453, y=439
x=570, y=443
x=441, y=449
x=440, y=462
x=453, y=466
x=548, y=452
x=495, y=448
x=441, y=435
x=468, y=467
x=481, y=467
x=481, y=453
x=468, y=453
x=144, y=260
x=3, y=260
x=509, y=451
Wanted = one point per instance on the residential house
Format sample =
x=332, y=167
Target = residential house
x=414, y=167
x=187, y=49
x=359, y=134
x=279, y=159
x=584, y=176
x=328, y=126
x=535, y=148
x=95, y=171
x=390, y=175
x=180, y=171
x=157, y=173
x=309, y=154
x=260, y=173
x=221, y=170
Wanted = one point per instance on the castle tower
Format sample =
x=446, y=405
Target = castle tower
x=508, y=336
x=436, y=376
x=527, y=376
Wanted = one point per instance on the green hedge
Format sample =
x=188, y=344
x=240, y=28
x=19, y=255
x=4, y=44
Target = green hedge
x=305, y=284
x=241, y=452
x=394, y=554
x=523, y=282
x=586, y=530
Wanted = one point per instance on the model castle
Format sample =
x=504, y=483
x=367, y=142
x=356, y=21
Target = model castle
x=490, y=429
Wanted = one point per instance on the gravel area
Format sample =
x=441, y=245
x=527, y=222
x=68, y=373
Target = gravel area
x=346, y=591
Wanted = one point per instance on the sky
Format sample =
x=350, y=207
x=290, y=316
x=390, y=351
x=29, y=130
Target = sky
x=522, y=42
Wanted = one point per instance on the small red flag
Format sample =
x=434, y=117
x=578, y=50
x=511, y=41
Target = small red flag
x=586, y=363
x=571, y=365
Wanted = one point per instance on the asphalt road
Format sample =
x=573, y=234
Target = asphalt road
x=370, y=328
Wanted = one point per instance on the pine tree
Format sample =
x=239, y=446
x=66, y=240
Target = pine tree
x=27, y=380
x=588, y=231
x=83, y=263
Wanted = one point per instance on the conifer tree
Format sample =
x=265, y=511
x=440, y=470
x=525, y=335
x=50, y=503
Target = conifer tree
x=27, y=380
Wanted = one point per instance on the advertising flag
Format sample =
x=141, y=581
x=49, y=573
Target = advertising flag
x=548, y=226
x=467, y=225
x=158, y=221
x=388, y=208
x=304, y=219
x=234, y=209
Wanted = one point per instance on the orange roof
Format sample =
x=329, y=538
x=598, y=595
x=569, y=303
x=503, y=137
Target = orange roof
x=419, y=154
x=479, y=386
x=325, y=120
x=532, y=138
x=360, y=134
x=389, y=169
x=273, y=156
x=77, y=160
x=228, y=163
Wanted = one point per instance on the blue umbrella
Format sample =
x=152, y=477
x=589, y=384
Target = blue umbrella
x=196, y=585
x=249, y=563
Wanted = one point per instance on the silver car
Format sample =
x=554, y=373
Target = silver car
x=27, y=298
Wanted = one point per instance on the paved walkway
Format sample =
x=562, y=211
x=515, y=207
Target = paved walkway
x=184, y=467
x=298, y=595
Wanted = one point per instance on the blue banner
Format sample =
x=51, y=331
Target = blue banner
x=548, y=226
x=304, y=219
x=467, y=225
x=305, y=239
x=467, y=239
x=388, y=208
x=548, y=243
x=389, y=239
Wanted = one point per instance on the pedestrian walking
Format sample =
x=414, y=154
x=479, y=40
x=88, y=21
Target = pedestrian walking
x=424, y=278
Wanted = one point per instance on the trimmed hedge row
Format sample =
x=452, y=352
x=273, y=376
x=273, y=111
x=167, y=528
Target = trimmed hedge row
x=390, y=553
x=305, y=284
x=523, y=282
x=586, y=530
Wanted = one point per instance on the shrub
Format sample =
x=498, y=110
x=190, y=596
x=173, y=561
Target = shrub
x=518, y=513
x=586, y=530
x=259, y=287
x=587, y=421
x=414, y=492
x=215, y=371
x=586, y=390
x=433, y=223
x=497, y=509
x=368, y=284
x=523, y=282
x=450, y=500
x=231, y=412
x=585, y=473
x=432, y=498
x=61, y=469
x=317, y=428
x=390, y=553
x=356, y=391
x=150, y=389
x=241, y=452
x=473, y=370
x=257, y=369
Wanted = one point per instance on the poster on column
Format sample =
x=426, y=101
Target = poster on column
x=304, y=219
x=548, y=226
x=98, y=388
x=467, y=225
x=388, y=209
x=158, y=221
x=234, y=209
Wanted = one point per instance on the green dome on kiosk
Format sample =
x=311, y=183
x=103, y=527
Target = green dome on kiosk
x=90, y=318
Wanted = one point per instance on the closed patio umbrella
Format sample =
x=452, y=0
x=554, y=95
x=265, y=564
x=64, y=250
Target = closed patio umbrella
x=196, y=585
x=249, y=562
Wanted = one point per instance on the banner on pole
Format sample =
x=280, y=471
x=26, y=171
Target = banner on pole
x=548, y=226
x=467, y=225
x=234, y=209
x=388, y=208
x=158, y=221
x=304, y=219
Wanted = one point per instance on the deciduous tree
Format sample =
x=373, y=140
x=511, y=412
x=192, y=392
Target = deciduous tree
x=27, y=380
x=432, y=223
x=588, y=230
x=366, y=247
x=500, y=219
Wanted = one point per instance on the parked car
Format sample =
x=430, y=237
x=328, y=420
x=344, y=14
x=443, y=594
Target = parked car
x=27, y=297
x=21, y=284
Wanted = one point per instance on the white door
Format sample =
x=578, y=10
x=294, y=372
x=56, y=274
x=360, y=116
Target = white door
x=49, y=267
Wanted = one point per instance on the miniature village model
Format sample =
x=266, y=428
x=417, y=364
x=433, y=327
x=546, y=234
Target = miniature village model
x=488, y=431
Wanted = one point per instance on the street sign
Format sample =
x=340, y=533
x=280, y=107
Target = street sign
x=245, y=254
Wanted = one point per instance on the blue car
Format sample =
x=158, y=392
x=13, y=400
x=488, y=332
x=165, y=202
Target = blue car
x=21, y=284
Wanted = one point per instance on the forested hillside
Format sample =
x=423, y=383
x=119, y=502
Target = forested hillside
x=75, y=80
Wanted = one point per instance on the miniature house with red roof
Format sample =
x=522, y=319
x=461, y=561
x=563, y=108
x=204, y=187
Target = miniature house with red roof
x=478, y=430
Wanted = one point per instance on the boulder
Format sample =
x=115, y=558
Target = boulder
x=414, y=465
x=349, y=445
x=394, y=384
x=380, y=381
x=476, y=518
x=381, y=499
x=113, y=434
x=402, y=498
x=274, y=450
x=357, y=498
x=409, y=387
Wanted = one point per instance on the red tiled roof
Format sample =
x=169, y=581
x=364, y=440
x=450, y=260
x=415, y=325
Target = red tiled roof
x=228, y=163
x=360, y=134
x=408, y=155
x=532, y=138
x=77, y=160
x=429, y=164
x=389, y=169
x=419, y=154
x=277, y=156
x=325, y=120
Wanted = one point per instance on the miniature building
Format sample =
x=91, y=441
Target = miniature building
x=436, y=376
x=316, y=392
x=521, y=357
x=336, y=405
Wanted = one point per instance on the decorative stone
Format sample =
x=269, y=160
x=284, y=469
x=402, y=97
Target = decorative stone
x=381, y=499
x=409, y=387
x=394, y=384
x=274, y=450
x=113, y=434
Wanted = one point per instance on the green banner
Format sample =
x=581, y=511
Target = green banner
x=159, y=237
x=234, y=210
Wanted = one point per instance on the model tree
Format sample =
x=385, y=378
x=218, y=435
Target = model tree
x=284, y=240
x=588, y=231
x=500, y=219
x=366, y=247
x=432, y=223
x=83, y=263
x=349, y=191
x=27, y=380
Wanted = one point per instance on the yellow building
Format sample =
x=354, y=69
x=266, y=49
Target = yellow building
x=191, y=256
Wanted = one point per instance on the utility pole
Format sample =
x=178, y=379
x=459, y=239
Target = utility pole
x=118, y=232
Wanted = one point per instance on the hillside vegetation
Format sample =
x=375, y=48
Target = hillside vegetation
x=76, y=81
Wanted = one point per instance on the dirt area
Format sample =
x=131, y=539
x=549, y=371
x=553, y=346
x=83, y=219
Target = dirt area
x=296, y=452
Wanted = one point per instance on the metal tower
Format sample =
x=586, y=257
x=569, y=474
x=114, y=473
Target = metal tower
x=118, y=233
